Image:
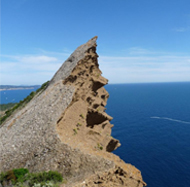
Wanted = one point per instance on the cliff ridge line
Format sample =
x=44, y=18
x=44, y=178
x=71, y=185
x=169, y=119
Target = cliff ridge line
x=66, y=128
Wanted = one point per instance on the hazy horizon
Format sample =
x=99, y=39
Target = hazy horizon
x=107, y=84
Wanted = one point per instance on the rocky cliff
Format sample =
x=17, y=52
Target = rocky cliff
x=65, y=128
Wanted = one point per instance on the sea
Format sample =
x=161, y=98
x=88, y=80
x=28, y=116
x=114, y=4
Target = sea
x=14, y=96
x=152, y=122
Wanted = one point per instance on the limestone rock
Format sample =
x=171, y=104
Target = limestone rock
x=66, y=128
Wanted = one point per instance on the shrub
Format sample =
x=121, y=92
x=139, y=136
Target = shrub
x=54, y=176
x=21, y=172
x=4, y=107
x=2, y=177
x=75, y=131
x=10, y=176
x=22, y=178
x=79, y=124
x=99, y=146
x=43, y=87
x=82, y=116
x=46, y=184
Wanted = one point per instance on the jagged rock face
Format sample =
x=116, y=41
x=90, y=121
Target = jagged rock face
x=85, y=117
x=65, y=128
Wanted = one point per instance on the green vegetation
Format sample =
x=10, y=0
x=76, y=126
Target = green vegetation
x=43, y=87
x=79, y=124
x=22, y=178
x=98, y=109
x=19, y=173
x=82, y=116
x=109, y=135
x=98, y=75
x=75, y=131
x=23, y=102
x=99, y=146
x=92, y=132
x=4, y=107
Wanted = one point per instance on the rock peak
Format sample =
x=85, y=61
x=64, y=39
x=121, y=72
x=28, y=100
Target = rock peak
x=66, y=128
x=73, y=59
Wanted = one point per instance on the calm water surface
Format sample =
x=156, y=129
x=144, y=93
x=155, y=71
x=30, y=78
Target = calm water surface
x=152, y=121
x=14, y=96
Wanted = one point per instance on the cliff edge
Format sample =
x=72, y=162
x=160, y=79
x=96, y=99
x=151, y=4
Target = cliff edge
x=65, y=128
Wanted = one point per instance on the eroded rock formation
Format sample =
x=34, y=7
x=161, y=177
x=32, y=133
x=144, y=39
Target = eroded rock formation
x=66, y=128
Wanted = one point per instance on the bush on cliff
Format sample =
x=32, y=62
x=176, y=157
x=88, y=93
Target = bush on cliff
x=35, y=178
x=21, y=177
x=4, y=107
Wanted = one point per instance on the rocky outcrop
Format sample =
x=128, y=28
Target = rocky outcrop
x=66, y=128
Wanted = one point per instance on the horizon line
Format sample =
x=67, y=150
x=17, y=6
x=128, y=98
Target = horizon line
x=107, y=84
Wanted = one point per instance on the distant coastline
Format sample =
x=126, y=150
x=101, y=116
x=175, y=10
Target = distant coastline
x=17, y=88
x=10, y=87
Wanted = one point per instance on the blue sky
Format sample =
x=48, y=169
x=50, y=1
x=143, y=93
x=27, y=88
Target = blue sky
x=138, y=40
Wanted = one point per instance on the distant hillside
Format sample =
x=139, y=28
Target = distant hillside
x=12, y=87
x=4, y=107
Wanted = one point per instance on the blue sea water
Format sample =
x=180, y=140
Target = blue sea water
x=152, y=122
x=14, y=96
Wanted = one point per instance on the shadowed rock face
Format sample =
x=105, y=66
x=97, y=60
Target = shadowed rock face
x=66, y=128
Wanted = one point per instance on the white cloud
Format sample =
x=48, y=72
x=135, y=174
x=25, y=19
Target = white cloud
x=65, y=52
x=36, y=59
x=140, y=66
x=156, y=68
x=28, y=69
x=139, y=51
x=31, y=58
x=182, y=29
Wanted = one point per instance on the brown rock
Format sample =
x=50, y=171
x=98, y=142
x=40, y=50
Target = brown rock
x=65, y=128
